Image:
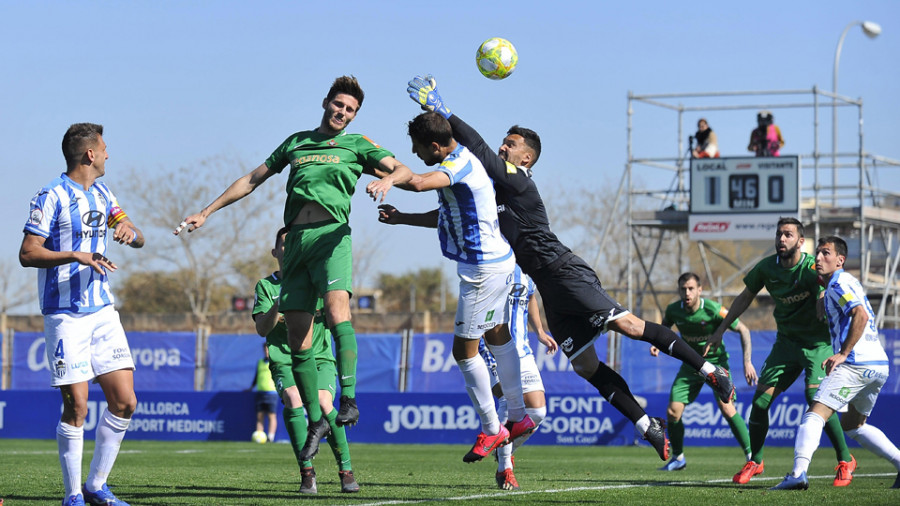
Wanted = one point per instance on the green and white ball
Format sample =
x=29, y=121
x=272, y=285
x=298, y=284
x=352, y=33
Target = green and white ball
x=496, y=58
x=259, y=437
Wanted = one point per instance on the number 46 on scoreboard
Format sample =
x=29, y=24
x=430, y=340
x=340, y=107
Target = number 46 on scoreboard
x=745, y=185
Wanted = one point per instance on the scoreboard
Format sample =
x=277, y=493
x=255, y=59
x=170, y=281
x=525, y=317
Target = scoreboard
x=742, y=198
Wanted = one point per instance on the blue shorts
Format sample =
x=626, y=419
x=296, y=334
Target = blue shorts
x=266, y=402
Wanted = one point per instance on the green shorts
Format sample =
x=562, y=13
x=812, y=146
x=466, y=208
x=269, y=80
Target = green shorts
x=788, y=359
x=280, y=365
x=318, y=257
x=688, y=382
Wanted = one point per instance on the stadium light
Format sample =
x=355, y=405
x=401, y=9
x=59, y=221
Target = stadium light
x=872, y=30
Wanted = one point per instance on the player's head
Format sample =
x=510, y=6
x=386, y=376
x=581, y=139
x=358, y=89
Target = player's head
x=764, y=118
x=343, y=101
x=702, y=124
x=83, y=145
x=689, y=289
x=521, y=147
x=788, y=237
x=278, y=250
x=432, y=137
x=831, y=253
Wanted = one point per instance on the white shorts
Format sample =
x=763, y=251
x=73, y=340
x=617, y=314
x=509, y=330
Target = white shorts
x=858, y=385
x=531, y=377
x=82, y=346
x=483, y=295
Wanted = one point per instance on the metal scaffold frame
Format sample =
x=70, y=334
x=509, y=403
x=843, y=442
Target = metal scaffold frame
x=851, y=205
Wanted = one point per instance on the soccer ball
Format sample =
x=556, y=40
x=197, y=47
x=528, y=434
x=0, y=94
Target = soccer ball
x=259, y=437
x=496, y=58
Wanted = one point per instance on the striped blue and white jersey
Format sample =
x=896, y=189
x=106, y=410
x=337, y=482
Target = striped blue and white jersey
x=468, y=227
x=521, y=291
x=842, y=294
x=72, y=218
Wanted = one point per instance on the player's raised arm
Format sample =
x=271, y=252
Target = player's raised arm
x=392, y=216
x=390, y=172
x=740, y=304
x=238, y=190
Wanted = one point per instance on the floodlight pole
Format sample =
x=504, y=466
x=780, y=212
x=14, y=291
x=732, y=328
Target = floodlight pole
x=871, y=30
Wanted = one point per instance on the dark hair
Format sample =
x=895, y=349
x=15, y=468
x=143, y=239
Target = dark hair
x=347, y=85
x=684, y=278
x=840, y=246
x=765, y=118
x=79, y=137
x=281, y=232
x=789, y=220
x=430, y=127
x=532, y=140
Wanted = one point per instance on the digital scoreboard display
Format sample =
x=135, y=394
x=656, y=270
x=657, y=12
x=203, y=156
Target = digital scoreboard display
x=745, y=185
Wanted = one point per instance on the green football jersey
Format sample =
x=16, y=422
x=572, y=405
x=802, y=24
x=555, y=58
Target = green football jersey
x=696, y=327
x=324, y=169
x=795, y=292
x=268, y=290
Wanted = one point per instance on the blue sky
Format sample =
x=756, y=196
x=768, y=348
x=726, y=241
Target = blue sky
x=177, y=82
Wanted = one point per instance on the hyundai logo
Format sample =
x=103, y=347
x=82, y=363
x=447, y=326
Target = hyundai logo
x=93, y=218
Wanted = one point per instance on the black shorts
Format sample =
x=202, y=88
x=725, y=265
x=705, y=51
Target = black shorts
x=577, y=307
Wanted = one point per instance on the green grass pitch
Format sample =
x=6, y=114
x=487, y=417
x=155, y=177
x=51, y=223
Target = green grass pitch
x=188, y=473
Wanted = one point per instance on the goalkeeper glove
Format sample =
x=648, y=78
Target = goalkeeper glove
x=423, y=90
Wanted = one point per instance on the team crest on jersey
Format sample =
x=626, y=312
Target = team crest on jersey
x=60, y=368
x=332, y=142
x=36, y=216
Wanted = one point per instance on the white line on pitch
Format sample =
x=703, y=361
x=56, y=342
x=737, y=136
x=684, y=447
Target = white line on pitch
x=599, y=487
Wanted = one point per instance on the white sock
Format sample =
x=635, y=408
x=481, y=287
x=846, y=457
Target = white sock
x=808, y=435
x=871, y=438
x=110, y=432
x=478, y=386
x=642, y=424
x=707, y=368
x=502, y=410
x=504, y=457
x=510, y=373
x=70, y=440
x=271, y=437
x=537, y=416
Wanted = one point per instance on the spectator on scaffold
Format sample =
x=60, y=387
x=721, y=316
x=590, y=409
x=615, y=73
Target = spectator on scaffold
x=707, y=142
x=766, y=139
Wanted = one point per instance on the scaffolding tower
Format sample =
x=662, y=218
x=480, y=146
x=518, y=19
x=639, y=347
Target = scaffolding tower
x=853, y=204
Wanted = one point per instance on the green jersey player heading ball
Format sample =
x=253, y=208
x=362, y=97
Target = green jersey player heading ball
x=325, y=165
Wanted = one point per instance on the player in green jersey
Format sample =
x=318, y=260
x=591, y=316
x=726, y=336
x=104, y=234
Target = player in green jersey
x=270, y=324
x=802, y=343
x=325, y=165
x=696, y=318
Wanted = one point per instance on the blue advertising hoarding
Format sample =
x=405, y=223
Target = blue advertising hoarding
x=575, y=419
x=164, y=361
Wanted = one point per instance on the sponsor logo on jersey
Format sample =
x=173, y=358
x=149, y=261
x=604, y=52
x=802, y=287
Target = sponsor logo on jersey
x=567, y=345
x=297, y=162
x=793, y=299
x=93, y=218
